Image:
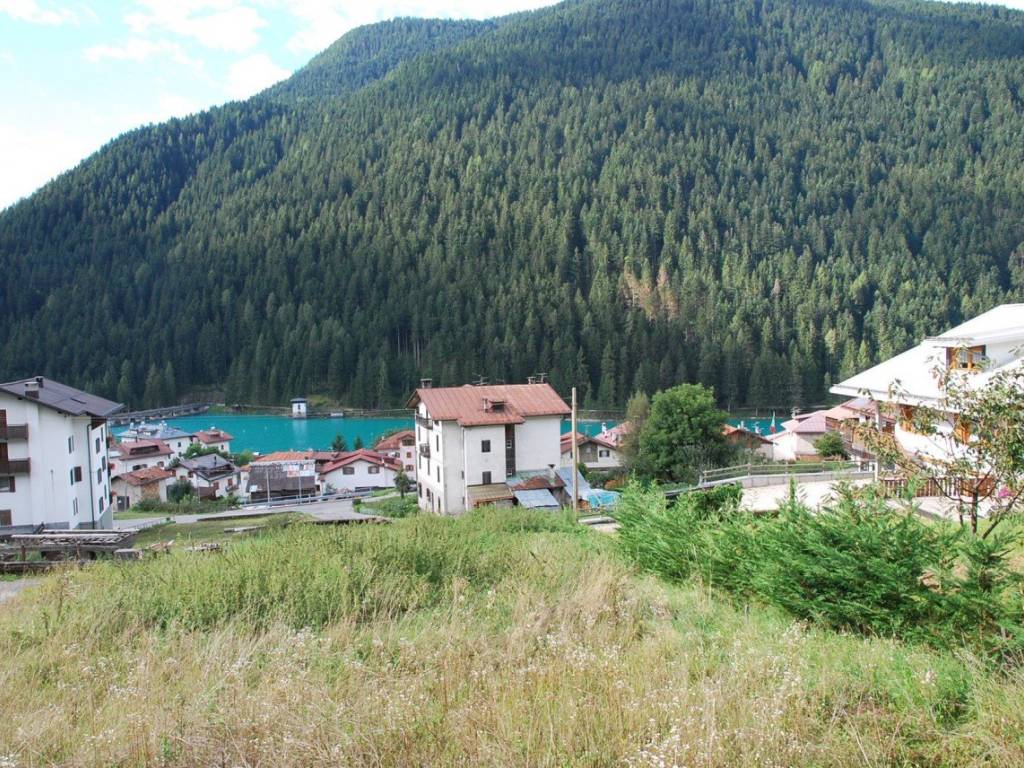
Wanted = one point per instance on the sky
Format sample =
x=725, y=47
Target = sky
x=75, y=74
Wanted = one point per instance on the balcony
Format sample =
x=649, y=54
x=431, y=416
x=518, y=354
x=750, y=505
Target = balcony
x=425, y=450
x=14, y=467
x=425, y=423
x=13, y=431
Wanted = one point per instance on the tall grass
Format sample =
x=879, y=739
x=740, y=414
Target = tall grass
x=498, y=639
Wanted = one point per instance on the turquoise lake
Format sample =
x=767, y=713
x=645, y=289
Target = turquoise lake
x=282, y=433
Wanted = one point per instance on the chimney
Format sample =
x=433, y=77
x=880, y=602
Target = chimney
x=426, y=383
x=552, y=475
x=32, y=387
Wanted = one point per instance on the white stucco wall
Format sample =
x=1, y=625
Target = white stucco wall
x=47, y=494
x=537, y=443
x=362, y=476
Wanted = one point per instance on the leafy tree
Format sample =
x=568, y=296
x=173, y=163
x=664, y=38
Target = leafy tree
x=198, y=449
x=180, y=490
x=402, y=483
x=682, y=435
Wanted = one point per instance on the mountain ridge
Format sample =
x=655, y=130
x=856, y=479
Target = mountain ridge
x=756, y=195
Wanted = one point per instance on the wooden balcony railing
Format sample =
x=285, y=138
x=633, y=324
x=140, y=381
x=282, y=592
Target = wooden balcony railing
x=13, y=431
x=14, y=467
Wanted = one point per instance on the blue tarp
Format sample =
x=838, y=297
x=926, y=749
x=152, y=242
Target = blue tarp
x=599, y=497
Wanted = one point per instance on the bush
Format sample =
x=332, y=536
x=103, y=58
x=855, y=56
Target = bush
x=858, y=566
x=830, y=445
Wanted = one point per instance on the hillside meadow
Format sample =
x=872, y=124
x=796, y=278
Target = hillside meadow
x=499, y=638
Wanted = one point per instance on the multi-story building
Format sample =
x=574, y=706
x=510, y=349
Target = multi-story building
x=178, y=440
x=975, y=352
x=54, y=468
x=471, y=439
x=215, y=438
x=402, y=446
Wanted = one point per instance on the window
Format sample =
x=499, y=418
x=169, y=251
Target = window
x=966, y=358
x=438, y=441
x=409, y=468
x=74, y=507
x=603, y=453
x=439, y=474
x=374, y=470
x=99, y=476
x=486, y=480
x=101, y=504
x=5, y=517
x=6, y=484
x=420, y=491
x=97, y=445
x=348, y=470
x=485, y=446
x=71, y=444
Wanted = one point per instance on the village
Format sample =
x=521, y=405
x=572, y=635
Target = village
x=61, y=467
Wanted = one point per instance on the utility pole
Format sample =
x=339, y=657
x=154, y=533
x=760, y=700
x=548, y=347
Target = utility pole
x=575, y=462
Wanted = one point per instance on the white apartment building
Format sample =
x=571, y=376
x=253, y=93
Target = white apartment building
x=977, y=350
x=402, y=446
x=54, y=468
x=471, y=439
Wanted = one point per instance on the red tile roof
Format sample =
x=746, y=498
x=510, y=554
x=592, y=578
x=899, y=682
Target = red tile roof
x=145, y=476
x=211, y=436
x=284, y=456
x=394, y=441
x=565, y=441
x=474, y=406
x=730, y=430
x=363, y=454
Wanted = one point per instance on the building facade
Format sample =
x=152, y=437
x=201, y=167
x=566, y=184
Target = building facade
x=471, y=439
x=54, y=466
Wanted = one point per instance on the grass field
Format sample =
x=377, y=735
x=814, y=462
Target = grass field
x=497, y=639
x=209, y=531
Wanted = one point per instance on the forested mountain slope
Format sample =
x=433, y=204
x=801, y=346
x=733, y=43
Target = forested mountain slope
x=762, y=195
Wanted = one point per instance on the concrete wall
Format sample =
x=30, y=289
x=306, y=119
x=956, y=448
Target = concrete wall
x=537, y=443
x=476, y=461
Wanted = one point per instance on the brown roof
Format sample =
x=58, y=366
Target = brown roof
x=495, y=404
x=284, y=456
x=363, y=454
x=145, y=476
x=394, y=441
x=210, y=436
x=139, y=448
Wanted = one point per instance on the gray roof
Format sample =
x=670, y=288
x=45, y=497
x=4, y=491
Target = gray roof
x=161, y=431
x=209, y=466
x=539, y=499
x=61, y=397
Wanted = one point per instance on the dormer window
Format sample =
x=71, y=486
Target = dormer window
x=966, y=358
x=493, y=405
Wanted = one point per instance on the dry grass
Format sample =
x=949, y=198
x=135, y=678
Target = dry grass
x=533, y=645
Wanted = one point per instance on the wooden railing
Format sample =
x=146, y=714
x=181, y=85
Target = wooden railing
x=950, y=487
x=14, y=467
x=13, y=431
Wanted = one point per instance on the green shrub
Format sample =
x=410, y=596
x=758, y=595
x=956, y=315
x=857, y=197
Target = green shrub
x=858, y=565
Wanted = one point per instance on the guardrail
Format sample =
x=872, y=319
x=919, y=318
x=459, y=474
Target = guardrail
x=788, y=468
x=293, y=501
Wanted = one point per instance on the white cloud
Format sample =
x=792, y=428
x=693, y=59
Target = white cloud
x=32, y=12
x=226, y=25
x=139, y=49
x=252, y=74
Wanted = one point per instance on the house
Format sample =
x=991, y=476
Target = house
x=594, y=451
x=359, y=471
x=215, y=438
x=796, y=440
x=470, y=439
x=149, y=484
x=299, y=407
x=54, y=467
x=743, y=439
x=282, y=475
x=974, y=351
x=176, y=439
x=140, y=454
x=402, y=446
x=211, y=475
